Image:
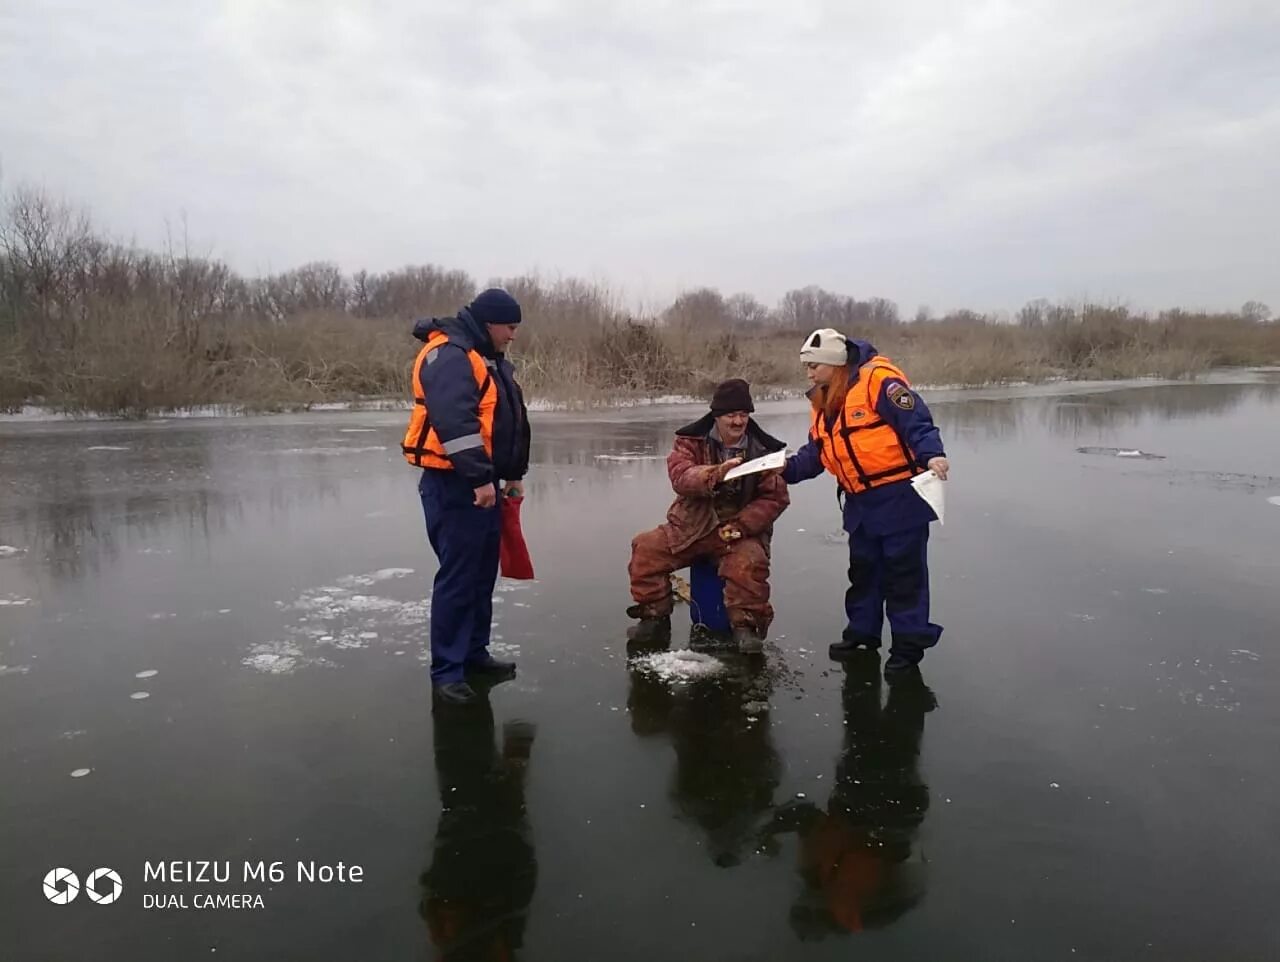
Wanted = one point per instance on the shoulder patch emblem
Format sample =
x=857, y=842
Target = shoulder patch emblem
x=898, y=394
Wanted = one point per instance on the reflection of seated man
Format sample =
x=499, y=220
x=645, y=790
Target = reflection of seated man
x=856, y=858
x=727, y=768
x=477, y=890
x=711, y=518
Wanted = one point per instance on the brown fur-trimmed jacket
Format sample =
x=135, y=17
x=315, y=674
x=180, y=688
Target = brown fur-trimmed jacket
x=754, y=501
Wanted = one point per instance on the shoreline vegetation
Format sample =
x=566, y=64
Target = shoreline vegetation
x=92, y=326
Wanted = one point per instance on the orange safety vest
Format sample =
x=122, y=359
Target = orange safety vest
x=422, y=447
x=860, y=448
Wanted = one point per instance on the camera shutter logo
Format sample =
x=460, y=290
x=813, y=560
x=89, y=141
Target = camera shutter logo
x=61, y=886
x=94, y=890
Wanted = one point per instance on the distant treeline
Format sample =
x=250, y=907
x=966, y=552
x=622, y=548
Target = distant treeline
x=91, y=325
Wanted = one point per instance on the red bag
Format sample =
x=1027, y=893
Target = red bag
x=513, y=553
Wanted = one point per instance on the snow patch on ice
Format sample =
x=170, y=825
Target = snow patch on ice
x=373, y=577
x=339, y=616
x=680, y=665
x=280, y=658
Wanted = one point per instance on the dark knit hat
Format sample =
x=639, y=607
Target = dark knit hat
x=495, y=306
x=732, y=395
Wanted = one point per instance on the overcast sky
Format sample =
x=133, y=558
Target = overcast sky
x=942, y=153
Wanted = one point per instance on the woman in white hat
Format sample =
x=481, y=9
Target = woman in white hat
x=874, y=433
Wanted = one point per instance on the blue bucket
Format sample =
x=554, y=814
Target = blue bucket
x=706, y=589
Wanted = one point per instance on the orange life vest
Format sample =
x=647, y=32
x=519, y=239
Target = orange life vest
x=422, y=447
x=860, y=448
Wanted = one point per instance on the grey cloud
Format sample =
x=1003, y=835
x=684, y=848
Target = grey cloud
x=929, y=152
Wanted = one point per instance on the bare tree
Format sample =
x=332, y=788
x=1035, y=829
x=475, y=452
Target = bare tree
x=410, y=292
x=811, y=307
x=747, y=313
x=703, y=308
x=1255, y=311
x=881, y=312
x=45, y=243
x=1034, y=313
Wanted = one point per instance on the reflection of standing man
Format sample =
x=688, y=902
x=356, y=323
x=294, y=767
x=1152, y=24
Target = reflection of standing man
x=727, y=768
x=858, y=858
x=468, y=431
x=483, y=870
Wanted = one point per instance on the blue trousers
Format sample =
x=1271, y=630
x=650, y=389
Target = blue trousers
x=890, y=574
x=465, y=539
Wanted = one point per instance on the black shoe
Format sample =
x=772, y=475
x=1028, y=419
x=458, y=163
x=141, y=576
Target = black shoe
x=652, y=631
x=851, y=637
x=455, y=693
x=748, y=640
x=492, y=667
x=850, y=643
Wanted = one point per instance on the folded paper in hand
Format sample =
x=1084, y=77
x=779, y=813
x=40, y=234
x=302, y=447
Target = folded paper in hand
x=932, y=488
x=770, y=462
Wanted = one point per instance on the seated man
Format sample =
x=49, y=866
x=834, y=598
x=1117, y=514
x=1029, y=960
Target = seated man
x=711, y=518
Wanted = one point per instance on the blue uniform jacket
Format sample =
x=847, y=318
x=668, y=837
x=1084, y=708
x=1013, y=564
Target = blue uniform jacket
x=453, y=402
x=892, y=507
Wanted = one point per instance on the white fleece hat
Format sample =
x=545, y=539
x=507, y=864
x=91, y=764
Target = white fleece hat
x=825, y=346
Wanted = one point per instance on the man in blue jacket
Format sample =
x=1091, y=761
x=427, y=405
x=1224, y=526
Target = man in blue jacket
x=469, y=432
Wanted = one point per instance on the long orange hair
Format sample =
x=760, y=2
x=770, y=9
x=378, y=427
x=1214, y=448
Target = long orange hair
x=830, y=399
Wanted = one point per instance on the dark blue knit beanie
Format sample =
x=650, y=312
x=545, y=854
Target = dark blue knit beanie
x=495, y=306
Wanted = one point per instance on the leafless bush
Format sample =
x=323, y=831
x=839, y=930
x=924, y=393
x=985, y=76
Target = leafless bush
x=91, y=325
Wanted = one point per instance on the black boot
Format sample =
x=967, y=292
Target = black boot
x=903, y=664
x=491, y=667
x=851, y=642
x=748, y=640
x=905, y=653
x=653, y=631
